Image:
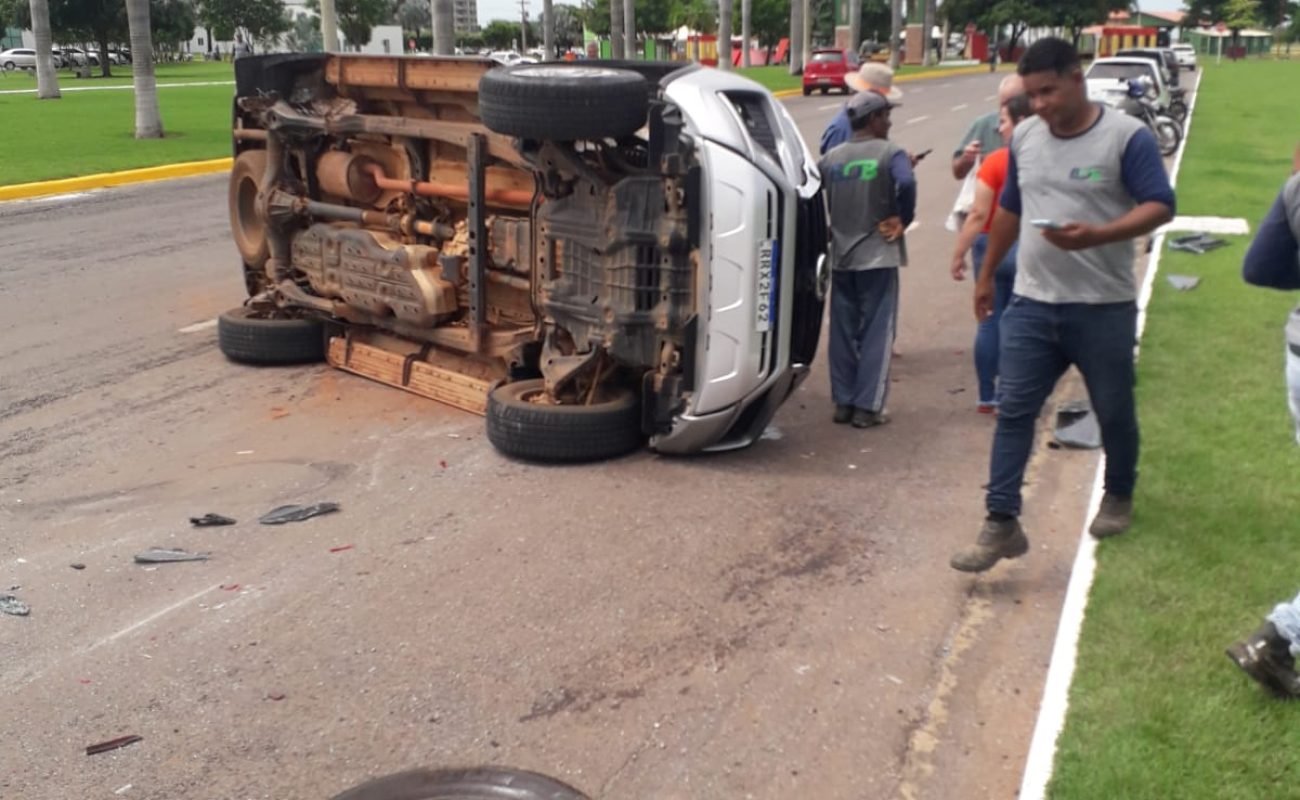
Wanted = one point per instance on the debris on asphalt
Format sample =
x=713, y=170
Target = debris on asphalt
x=1076, y=426
x=1197, y=243
x=244, y=452
x=277, y=696
x=283, y=514
x=163, y=555
x=210, y=521
x=112, y=744
x=341, y=548
x=958, y=390
x=13, y=606
x=77, y=566
x=234, y=587
x=1183, y=283
x=123, y=790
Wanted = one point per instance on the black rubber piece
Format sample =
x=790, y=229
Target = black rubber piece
x=488, y=783
x=561, y=102
x=250, y=337
x=562, y=433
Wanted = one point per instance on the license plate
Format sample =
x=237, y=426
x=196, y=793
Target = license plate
x=764, y=295
x=823, y=80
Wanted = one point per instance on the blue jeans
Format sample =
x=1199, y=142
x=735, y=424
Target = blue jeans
x=864, y=305
x=1039, y=342
x=987, y=335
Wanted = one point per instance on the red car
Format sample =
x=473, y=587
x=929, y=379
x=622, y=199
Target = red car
x=826, y=69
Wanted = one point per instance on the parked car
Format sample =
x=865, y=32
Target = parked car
x=1164, y=56
x=1186, y=55
x=591, y=256
x=826, y=69
x=1108, y=79
x=22, y=58
x=76, y=57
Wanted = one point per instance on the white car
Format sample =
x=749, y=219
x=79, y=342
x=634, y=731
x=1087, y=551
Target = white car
x=1108, y=79
x=21, y=58
x=1186, y=55
x=642, y=261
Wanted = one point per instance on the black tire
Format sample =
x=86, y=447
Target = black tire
x=249, y=336
x=563, y=103
x=1169, y=134
x=565, y=433
x=1178, y=110
x=463, y=784
x=806, y=91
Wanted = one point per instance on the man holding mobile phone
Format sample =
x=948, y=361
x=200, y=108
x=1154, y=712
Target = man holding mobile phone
x=1094, y=180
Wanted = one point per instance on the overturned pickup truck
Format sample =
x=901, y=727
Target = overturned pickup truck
x=591, y=256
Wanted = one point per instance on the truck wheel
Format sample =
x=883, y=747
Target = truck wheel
x=563, y=103
x=522, y=428
x=463, y=784
x=250, y=336
x=248, y=229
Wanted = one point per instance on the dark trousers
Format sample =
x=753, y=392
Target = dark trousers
x=864, y=306
x=988, y=334
x=1039, y=342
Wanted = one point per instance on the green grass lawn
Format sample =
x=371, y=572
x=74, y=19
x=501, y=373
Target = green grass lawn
x=165, y=73
x=89, y=132
x=1157, y=710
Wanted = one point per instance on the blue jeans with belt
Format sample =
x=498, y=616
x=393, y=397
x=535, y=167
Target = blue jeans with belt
x=986, y=335
x=1039, y=342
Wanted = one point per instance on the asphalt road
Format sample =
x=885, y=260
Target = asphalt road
x=779, y=622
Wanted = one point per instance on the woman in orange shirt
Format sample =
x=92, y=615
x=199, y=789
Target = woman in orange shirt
x=974, y=238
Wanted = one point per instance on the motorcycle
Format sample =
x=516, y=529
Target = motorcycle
x=1139, y=102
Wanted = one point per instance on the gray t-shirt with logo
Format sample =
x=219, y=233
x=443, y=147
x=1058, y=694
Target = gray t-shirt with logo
x=1094, y=177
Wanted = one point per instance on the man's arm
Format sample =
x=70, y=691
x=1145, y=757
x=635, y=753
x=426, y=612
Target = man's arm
x=900, y=168
x=1143, y=171
x=968, y=150
x=1273, y=259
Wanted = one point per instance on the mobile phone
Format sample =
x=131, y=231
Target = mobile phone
x=924, y=153
x=1046, y=224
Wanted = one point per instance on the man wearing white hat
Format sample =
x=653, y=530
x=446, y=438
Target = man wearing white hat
x=872, y=77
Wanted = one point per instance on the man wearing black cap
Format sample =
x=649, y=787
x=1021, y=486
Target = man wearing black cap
x=871, y=191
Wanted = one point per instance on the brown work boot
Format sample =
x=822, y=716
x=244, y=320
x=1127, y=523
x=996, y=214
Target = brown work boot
x=1266, y=657
x=998, y=539
x=1113, y=518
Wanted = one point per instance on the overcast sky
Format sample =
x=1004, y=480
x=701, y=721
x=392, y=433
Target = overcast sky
x=489, y=10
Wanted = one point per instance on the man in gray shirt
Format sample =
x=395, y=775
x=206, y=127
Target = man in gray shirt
x=871, y=192
x=1082, y=183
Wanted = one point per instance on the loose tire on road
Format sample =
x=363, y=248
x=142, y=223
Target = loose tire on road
x=488, y=783
x=563, y=103
x=249, y=336
x=531, y=431
x=248, y=229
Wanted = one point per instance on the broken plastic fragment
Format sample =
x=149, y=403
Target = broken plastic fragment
x=163, y=555
x=210, y=520
x=341, y=548
x=1183, y=283
x=1076, y=426
x=13, y=606
x=283, y=514
x=112, y=744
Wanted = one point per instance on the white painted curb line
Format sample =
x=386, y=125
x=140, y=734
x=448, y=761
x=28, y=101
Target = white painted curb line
x=1065, y=652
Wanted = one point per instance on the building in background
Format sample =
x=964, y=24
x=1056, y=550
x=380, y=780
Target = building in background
x=466, y=17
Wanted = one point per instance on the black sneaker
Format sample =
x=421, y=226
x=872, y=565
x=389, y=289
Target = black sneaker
x=998, y=539
x=863, y=418
x=1266, y=657
x=843, y=414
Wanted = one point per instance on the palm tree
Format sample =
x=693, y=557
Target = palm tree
x=855, y=24
x=47, y=82
x=796, y=37
x=616, y=39
x=746, y=30
x=895, y=28
x=148, y=121
x=927, y=38
x=724, y=34
x=548, y=29
x=444, y=27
